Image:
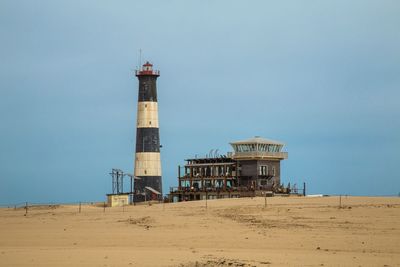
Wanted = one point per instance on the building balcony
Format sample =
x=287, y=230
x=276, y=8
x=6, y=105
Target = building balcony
x=260, y=155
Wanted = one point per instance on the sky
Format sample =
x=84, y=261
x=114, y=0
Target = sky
x=321, y=76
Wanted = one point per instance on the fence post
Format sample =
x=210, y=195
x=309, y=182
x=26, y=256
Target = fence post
x=26, y=208
x=104, y=207
x=340, y=201
x=206, y=199
x=79, y=207
x=265, y=202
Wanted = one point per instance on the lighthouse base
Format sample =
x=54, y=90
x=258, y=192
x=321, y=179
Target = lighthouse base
x=147, y=188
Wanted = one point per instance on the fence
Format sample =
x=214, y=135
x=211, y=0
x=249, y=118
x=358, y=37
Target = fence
x=51, y=205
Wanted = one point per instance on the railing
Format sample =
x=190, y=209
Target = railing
x=257, y=154
x=147, y=72
x=207, y=177
x=211, y=189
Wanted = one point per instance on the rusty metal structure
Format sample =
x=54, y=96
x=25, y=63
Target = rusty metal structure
x=117, y=181
x=252, y=169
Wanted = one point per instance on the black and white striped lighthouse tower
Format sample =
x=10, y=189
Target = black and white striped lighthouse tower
x=147, y=184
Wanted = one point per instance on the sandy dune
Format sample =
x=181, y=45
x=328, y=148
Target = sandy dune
x=290, y=231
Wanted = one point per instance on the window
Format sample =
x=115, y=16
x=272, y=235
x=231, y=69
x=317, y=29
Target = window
x=263, y=170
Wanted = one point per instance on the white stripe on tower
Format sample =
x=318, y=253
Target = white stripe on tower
x=147, y=164
x=147, y=114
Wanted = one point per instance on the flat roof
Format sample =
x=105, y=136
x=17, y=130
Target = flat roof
x=152, y=190
x=257, y=140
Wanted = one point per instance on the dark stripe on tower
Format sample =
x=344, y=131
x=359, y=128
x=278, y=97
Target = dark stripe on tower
x=147, y=88
x=152, y=181
x=147, y=140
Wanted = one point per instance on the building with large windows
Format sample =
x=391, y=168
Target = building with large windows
x=253, y=168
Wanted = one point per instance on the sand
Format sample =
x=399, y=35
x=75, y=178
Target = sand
x=290, y=231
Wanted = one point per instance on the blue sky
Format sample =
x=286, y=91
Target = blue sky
x=322, y=76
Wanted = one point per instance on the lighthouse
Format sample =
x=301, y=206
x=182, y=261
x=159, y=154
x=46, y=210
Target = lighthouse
x=148, y=185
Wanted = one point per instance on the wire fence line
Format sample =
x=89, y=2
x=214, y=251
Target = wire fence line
x=28, y=207
x=104, y=204
x=39, y=204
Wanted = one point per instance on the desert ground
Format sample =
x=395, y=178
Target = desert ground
x=288, y=231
